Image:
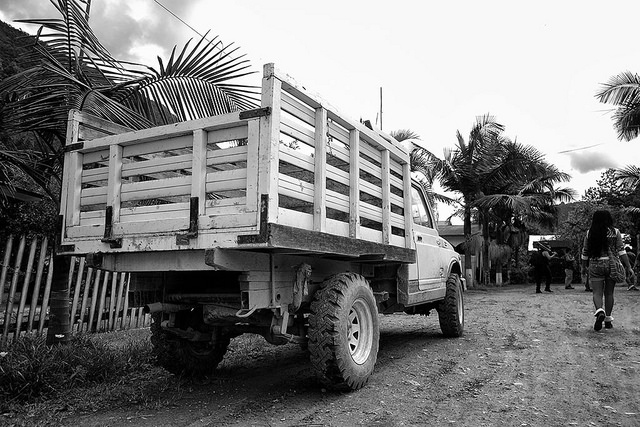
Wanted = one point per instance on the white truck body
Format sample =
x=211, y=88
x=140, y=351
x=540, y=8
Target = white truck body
x=271, y=201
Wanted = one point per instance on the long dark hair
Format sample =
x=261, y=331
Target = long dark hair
x=601, y=223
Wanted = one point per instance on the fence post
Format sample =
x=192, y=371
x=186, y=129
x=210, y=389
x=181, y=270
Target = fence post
x=36, y=288
x=5, y=265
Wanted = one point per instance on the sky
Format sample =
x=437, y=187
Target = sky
x=534, y=66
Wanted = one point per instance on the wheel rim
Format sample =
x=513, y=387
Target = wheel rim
x=360, y=331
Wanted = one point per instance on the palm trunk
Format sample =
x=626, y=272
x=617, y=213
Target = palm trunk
x=486, y=268
x=467, y=251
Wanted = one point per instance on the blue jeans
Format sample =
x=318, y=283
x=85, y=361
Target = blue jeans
x=599, y=269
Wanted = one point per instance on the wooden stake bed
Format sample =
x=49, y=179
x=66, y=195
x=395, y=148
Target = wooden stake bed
x=293, y=175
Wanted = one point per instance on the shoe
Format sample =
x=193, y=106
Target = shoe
x=548, y=290
x=599, y=319
x=569, y=287
x=588, y=290
x=608, y=325
x=538, y=291
x=633, y=288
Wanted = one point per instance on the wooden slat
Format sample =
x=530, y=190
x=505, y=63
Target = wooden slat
x=156, y=189
x=175, y=130
x=339, y=133
x=297, y=158
x=121, y=285
x=228, y=134
x=408, y=220
x=115, y=181
x=354, y=184
x=303, y=135
x=230, y=209
x=12, y=288
x=337, y=201
x=73, y=187
x=45, y=296
x=160, y=145
x=94, y=300
x=252, y=196
x=228, y=221
x=102, y=301
x=100, y=156
x=85, y=299
x=337, y=175
x=199, y=168
x=95, y=175
x=36, y=286
x=386, y=200
x=5, y=265
x=169, y=226
x=295, y=219
x=298, y=109
x=77, y=290
x=25, y=286
x=370, y=212
x=155, y=212
x=157, y=165
x=228, y=155
x=112, y=301
x=125, y=308
x=320, y=173
x=296, y=188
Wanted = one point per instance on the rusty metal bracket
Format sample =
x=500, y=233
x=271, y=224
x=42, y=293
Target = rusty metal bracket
x=114, y=243
x=255, y=113
x=192, y=232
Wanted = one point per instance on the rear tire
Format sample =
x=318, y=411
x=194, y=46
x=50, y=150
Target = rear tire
x=344, y=332
x=451, y=309
x=187, y=358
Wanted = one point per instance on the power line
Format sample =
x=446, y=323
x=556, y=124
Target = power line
x=180, y=19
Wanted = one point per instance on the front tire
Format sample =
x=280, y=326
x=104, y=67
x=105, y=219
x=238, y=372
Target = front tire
x=451, y=309
x=187, y=358
x=344, y=332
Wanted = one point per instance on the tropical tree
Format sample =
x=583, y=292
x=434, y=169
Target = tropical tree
x=424, y=165
x=623, y=92
x=501, y=181
x=70, y=69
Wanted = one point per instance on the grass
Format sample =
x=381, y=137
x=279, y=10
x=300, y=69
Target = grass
x=40, y=384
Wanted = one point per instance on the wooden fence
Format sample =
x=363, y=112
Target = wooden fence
x=99, y=299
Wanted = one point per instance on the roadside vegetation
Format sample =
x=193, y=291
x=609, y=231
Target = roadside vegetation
x=38, y=381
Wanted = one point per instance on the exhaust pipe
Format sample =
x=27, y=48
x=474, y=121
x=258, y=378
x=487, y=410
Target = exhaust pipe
x=167, y=308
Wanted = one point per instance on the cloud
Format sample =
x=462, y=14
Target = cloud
x=121, y=26
x=590, y=161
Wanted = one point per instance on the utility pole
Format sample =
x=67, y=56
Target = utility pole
x=380, y=107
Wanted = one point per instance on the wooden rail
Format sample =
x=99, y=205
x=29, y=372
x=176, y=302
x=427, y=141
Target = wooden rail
x=203, y=183
x=99, y=299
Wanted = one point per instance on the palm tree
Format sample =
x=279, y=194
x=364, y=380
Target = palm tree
x=623, y=92
x=71, y=69
x=424, y=165
x=522, y=185
x=461, y=169
x=500, y=180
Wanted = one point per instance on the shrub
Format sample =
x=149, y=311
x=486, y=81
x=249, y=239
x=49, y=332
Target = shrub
x=30, y=369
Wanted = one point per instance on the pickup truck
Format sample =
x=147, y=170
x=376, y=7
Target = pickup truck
x=290, y=221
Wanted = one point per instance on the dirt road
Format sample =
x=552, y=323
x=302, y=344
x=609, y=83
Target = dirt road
x=524, y=360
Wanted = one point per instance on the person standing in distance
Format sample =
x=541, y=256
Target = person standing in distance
x=541, y=266
x=601, y=241
x=569, y=265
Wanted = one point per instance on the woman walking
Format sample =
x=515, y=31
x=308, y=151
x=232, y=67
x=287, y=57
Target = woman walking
x=602, y=241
